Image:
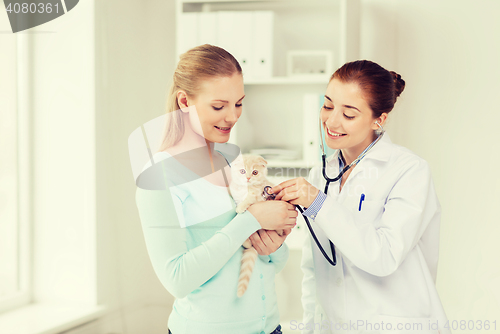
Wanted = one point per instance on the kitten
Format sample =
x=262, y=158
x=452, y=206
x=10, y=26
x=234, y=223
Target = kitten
x=248, y=179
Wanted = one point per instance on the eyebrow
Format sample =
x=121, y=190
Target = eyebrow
x=351, y=107
x=345, y=105
x=224, y=101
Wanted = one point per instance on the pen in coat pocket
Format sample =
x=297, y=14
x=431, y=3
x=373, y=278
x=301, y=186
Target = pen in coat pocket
x=361, y=201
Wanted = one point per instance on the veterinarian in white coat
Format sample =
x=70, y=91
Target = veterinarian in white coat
x=383, y=218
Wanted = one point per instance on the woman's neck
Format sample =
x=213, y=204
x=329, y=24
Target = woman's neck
x=210, y=147
x=191, y=140
x=349, y=155
x=352, y=153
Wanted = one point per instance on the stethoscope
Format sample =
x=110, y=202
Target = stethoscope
x=266, y=195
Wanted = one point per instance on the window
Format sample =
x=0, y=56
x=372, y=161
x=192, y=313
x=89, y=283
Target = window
x=13, y=260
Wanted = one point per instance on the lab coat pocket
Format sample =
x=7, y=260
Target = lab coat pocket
x=383, y=324
x=368, y=211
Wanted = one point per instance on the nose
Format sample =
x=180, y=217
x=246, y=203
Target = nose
x=333, y=119
x=231, y=115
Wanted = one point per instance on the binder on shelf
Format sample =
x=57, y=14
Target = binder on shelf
x=188, y=32
x=207, y=28
x=235, y=35
x=244, y=50
x=311, y=110
x=227, y=27
x=262, y=44
x=247, y=35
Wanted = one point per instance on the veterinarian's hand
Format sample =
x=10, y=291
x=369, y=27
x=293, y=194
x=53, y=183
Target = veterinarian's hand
x=274, y=215
x=267, y=242
x=296, y=191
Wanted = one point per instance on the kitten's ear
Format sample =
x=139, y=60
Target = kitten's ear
x=262, y=161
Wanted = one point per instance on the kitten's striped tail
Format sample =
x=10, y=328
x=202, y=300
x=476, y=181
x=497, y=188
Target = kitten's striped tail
x=246, y=269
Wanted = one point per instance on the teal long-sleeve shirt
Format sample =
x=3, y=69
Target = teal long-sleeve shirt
x=194, y=237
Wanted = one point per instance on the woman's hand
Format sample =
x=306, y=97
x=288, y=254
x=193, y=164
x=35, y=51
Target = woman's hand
x=296, y=191
x=274, y=215
x=267, y=242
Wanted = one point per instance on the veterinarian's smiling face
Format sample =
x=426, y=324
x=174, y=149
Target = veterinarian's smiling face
x=347, y=118
x=218, y=105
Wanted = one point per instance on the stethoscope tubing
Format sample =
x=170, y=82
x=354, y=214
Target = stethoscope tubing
x=333, y=260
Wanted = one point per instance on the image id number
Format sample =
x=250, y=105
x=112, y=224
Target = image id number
x=32, y=8
x=471, y=325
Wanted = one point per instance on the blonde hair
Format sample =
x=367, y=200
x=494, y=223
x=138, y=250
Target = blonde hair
x=197, y=64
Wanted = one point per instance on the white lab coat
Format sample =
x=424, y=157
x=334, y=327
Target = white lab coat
x=387, y=253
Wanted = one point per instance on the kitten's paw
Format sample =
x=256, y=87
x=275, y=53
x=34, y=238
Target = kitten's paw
x=247, y=244
x=242, y=207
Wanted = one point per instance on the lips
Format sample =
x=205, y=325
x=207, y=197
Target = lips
x=223, y=129
x=333, y=134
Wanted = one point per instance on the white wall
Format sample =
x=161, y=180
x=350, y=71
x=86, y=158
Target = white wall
x=95, y=81
x=8, y=161
x=134, y=64
x=448, y=52
x=62, y=107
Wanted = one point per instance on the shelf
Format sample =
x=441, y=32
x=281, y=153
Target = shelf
x=264, y=3
x=298, y=80
x=223, y=1
x=289, y=164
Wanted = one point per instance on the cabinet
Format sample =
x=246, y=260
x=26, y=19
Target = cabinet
x=273, y=109
x=279, y=111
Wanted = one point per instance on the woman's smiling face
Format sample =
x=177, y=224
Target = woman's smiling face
x=218, y=104
x=347, y=118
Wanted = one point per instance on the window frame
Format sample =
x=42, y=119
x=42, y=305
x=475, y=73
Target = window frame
x=24, y=294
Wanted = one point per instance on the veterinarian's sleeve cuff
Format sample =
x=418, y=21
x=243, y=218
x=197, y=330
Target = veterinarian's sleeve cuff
x=312, y=211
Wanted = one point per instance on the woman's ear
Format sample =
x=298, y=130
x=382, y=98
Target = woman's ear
x=182, y=100
x=380, y=120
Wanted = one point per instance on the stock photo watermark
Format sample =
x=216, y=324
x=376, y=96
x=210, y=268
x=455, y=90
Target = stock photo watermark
x=26, y=14
x=410, y=327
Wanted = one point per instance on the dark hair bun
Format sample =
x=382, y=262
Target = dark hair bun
x=399, y=85
x=380, y=87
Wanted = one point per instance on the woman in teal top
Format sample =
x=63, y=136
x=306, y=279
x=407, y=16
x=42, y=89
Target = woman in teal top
x=192, y=232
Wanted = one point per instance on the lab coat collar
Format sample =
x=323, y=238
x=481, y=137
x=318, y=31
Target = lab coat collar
x=380, y=151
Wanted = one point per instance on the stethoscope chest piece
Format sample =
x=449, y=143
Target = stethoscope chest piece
x=266, y=195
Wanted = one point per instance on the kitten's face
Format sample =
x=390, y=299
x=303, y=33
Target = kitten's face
x=249, y=170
